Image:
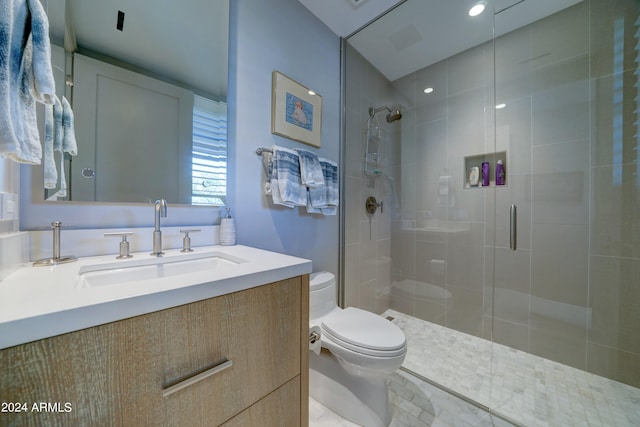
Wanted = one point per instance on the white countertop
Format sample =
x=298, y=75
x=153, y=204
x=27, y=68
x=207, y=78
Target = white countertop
x=40, y=302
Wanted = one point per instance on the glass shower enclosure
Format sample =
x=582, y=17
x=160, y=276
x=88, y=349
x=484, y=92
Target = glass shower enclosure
x=509, y=246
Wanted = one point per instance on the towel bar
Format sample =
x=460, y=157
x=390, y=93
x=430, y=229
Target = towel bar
x=262, y=150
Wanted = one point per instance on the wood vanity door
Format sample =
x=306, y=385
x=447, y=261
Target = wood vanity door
x=103, y=375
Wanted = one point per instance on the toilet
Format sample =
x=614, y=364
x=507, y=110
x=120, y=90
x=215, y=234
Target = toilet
x=359, y=349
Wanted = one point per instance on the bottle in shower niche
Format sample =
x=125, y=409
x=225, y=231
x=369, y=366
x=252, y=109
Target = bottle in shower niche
x=485, y=173
x=228, y=230
x=500, y=173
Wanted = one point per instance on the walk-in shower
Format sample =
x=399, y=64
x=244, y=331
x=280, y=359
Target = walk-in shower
x=549, y=89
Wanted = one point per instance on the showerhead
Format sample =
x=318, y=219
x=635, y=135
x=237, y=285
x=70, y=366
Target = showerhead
x=393, y=116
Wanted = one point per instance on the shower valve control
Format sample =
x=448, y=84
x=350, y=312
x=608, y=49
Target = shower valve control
x=371, y=205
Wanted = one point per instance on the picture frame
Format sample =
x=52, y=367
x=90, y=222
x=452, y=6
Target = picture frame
x=296, y=111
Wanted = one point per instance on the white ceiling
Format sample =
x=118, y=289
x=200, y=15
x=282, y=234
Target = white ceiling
x=343, y=18
x=419, y=33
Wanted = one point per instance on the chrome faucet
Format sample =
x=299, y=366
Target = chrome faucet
x=160, y=210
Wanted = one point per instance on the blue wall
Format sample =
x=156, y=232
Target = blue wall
x=280, y=35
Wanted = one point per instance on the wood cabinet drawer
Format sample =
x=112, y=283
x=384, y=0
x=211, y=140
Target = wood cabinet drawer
x=257, y=330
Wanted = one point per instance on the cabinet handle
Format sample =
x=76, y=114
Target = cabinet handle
x=168, y=391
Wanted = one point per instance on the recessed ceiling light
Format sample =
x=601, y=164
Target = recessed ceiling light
x=477, y=8
x=311, y=92
x=500, y=106
x=428, y=89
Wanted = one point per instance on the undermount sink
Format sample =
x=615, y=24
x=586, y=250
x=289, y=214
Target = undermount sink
x=140, y=270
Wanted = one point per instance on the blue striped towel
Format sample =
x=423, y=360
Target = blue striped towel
x=325, y=199
x=286, y=185
x=25, y=78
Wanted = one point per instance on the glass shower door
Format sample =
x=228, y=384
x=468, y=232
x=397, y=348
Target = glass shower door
x=566, y=117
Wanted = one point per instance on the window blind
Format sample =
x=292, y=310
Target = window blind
x=209, y=152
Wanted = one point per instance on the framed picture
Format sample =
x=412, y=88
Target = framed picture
x=296, y=111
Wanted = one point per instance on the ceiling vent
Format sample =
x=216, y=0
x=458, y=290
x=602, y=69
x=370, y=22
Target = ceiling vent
x=355, y=3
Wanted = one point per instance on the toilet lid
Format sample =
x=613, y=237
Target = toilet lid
x=364, y=330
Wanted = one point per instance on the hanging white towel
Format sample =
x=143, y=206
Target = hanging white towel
x=25, y=77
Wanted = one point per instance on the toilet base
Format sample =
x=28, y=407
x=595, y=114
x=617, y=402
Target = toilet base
x=360, y=399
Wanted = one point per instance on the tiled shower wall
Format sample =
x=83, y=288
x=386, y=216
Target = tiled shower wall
x=368, y=237
x=570, y=291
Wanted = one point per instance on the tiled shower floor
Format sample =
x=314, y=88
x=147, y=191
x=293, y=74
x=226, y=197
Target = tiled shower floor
x=415, y=403
x=525, y=388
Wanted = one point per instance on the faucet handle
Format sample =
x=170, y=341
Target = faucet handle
x=186, y=241
x=124, y=244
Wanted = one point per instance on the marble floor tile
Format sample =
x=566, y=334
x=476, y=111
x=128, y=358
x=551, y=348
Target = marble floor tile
x=519, y=386
x=415, y=403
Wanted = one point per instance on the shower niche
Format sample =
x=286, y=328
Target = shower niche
x=473, y=170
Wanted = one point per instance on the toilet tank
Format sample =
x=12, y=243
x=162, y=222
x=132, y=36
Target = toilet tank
x=322, y=298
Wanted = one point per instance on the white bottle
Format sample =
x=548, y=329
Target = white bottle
x=228, y=230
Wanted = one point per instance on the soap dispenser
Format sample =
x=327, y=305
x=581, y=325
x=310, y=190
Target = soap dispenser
x=228, y=230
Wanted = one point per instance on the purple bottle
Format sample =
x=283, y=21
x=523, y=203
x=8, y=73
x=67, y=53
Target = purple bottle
x=500, y=174
x=485, y=174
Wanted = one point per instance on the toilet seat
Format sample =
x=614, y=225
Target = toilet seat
x=364, y=332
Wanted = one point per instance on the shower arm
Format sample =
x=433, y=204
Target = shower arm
x=373, y=111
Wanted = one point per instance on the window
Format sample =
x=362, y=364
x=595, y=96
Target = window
x=209, y=152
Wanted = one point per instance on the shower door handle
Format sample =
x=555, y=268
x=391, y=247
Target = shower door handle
x=513, y=227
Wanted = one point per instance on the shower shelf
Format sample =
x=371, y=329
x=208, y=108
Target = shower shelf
x=477, y=160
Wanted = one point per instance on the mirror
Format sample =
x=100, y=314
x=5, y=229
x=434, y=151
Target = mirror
x=147, y=83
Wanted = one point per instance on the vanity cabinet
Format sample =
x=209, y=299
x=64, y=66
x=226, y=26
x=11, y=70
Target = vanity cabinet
x=132, y=372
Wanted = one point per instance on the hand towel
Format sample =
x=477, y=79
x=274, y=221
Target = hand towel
x=25, y=77
x=286, y=184
x=310, y=169
x=325, y=199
